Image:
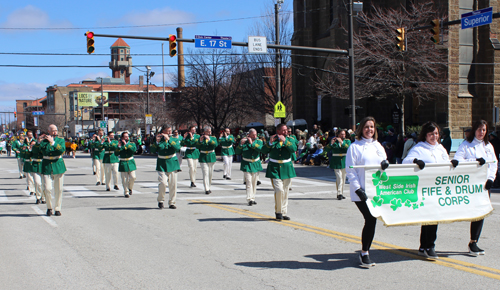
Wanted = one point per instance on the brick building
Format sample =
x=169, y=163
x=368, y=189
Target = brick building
x=473, y=77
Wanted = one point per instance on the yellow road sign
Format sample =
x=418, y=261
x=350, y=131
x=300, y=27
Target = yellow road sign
x=279, y=110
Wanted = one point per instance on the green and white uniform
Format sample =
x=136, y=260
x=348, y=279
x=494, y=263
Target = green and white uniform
x=227, y=153
x=337, y=162
x=97, y=159
x=167, y=166
x=192, y=154
x=250, y=165
x=207, y=159
x=127, y=166
x=16, y=147
x=53, y=169
x=111, y=162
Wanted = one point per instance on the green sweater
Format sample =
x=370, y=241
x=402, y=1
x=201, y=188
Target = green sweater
x=167, y=159
x=207, y=146
x=278, y=151
x=53, y=162
x=227, y=145
x=250, y=153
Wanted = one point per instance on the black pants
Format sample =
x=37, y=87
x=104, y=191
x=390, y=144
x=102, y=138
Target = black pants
x=475, y=229
x=369, y=228
x=428, y=235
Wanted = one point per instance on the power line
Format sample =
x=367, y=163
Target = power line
x=105, y=66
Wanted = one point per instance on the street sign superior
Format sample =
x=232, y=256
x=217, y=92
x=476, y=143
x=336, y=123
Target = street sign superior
x=477, y=18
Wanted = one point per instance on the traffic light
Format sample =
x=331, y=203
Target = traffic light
x=15, y=114
x=401, y=39
x=435, y=30
x=172, y=44
x=90, y=41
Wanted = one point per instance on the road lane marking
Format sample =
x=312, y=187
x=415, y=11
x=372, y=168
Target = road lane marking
x=49, y=220
x=3, y=196
x=443, y=261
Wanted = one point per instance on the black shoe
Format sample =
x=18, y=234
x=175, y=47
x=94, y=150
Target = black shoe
x=108, y=189
x=160, y=205
x=290, y=188
x=228, y=178
x=20, y=177
x=250, y=203
x=57, y=213
x=287, y=218
x=343, y=197
x=130, y=192
x=180, y=170
x=207, y=192
x=172, y=206
x=27, y=188
x=279, y=216
x=116, y=187
x=31, y=193
x=24, y=176
x=37, y=201
x=365, y=261
x=192, y=184
x=428, y=253
x=253, y=201
x=94, y=172
x=474, y=250
x=126, y=195
x=244, y=182
x=223, y=177
x=339, y=197
x=44, y=202
x=98, y=183
x=103, y=183
x=49, y=212
x=258, y=182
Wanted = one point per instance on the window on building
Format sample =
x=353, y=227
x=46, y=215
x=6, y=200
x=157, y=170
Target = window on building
x=465, y=50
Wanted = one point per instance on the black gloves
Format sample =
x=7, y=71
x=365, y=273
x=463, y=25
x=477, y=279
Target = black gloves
x=481, y=161
x=487, y=186
x=384, y=164
x=420, y=163
x=454, y=162
x=361, y=194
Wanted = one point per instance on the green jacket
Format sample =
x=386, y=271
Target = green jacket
x=36, y=158
x=109, y=152
x=337, y=161
x=167, y=159
x=191, y=151
x=98, y=147
x=207, y=146
x=279, y=151
x=126, y=152
x=26, y=155
x=294, y=155
x=249, y=154
x=178, y=140
x=53, y=162
x=16, y=146
x=227, y=145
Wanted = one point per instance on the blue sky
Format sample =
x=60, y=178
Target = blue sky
x=69, y=20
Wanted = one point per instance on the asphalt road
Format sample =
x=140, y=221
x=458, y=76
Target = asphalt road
x=105, y=241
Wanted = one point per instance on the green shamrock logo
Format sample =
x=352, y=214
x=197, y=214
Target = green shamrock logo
x=408, y=203
x=415, y=206
x=377, y=201
x=379, y=177
x=395, y=203
x=422, y=203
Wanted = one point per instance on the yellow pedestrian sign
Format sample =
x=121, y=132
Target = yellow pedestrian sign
x=279, y=110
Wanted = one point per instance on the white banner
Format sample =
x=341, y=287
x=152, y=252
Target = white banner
x=405, y=195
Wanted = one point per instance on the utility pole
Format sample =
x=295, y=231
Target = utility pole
x=277, y=7
x=350, y=50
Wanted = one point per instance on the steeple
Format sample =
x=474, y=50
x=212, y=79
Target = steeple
x=121, y=61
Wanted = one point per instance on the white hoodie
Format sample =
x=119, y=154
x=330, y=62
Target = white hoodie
x=427, y=153
x=362, y=152
x=470, y=151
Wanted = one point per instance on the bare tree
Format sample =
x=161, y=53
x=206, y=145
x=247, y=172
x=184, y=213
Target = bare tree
x=260, y=80
x=381, y=69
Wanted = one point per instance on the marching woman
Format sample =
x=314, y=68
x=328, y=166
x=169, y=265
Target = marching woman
x=366, y=150
x=476, y=147
x=338, y=147
x=428, y=150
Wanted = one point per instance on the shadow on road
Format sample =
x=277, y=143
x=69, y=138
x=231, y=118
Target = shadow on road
x=242, y=219
x=18, y=215
x=127, y=208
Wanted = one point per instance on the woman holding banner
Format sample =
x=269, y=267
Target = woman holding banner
x=476, y=147
x=428, y=150
x=366, y=150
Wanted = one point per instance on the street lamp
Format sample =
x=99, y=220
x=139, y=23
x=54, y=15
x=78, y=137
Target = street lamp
x=149, y=75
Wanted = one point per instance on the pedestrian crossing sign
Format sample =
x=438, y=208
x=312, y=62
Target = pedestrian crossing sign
x=279, y=110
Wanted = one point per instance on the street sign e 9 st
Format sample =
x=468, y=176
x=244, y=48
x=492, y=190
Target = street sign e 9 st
x=204, y=41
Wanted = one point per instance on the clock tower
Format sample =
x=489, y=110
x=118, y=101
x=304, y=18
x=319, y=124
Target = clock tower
x=121, y=61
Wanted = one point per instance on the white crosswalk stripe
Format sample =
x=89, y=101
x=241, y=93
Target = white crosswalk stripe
x=3, y=196
x=82, y=191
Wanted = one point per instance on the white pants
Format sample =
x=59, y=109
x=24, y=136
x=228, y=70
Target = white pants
x=128, y=179
x=281, y=187
x=111, y=169
x=99, y=170
x=192, y=163
x=208, y=170
x=30, y=182
x=54, y=181
x=20, y=165
x=37, y=178
x=340, y=180
x=179, y=158
x=170, y=179
x=228, y=163
x=251, y=184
